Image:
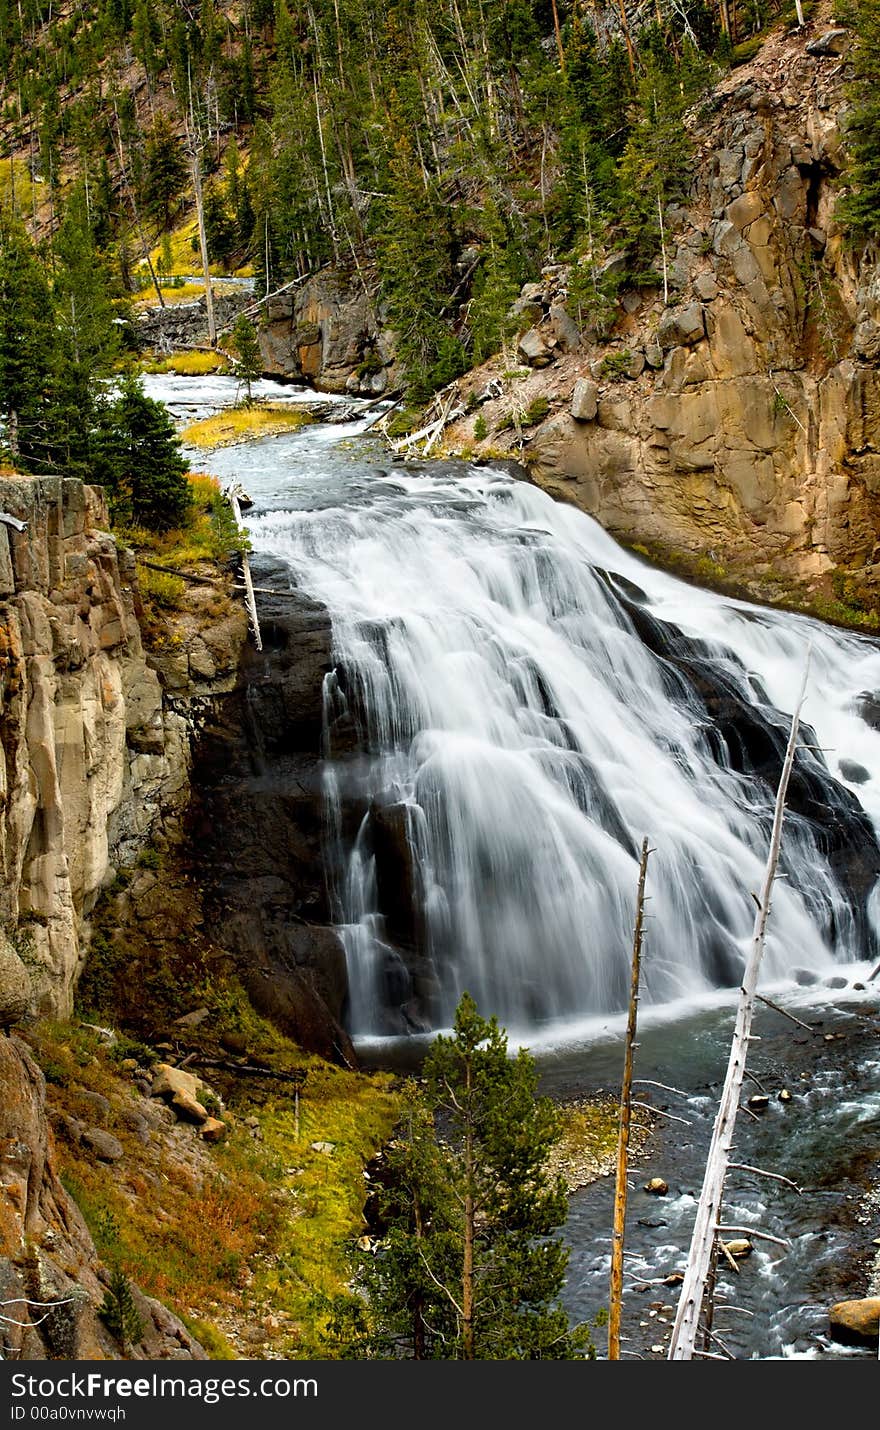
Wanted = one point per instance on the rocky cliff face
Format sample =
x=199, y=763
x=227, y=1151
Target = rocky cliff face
x=740, y=420
x=328, y=332
x=52, y=1283
x=94, y=757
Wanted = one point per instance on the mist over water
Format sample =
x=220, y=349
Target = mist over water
x=530, y=701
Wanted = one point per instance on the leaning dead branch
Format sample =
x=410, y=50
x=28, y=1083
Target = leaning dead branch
x=760, y=1172
x=700, y=1258
x=615, y=1300
x=783, y=1012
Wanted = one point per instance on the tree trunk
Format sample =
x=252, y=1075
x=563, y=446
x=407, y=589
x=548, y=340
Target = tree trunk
x=615, y=1297
x=467, y=1275
x=203, y=241
x=693, y=1288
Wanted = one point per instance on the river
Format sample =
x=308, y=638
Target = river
x=533, y=700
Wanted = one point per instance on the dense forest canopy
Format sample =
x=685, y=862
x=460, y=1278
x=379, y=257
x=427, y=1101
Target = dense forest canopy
x=442, y=153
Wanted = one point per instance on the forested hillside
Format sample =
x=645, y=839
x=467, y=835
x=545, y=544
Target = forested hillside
x=440, y=155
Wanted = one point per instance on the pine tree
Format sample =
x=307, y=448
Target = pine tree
x=859, y=211
x=87, y=334
x=136, y=455
x=250, y=364
x=165, y=171
x=27, y=353
x=469, y=1267
x=119, y=1312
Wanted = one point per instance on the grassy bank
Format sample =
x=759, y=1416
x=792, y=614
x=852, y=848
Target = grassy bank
x=189, y=364
x=242, y=1239
x=242, y=424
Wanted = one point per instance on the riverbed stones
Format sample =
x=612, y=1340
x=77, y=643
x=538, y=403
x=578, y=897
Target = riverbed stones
x=656, y=1187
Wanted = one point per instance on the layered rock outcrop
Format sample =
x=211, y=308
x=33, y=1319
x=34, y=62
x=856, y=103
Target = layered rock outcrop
x=94, y=757
x=740, y=418
x=328, y=332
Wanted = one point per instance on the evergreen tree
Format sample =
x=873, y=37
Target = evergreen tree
x=27, y=353
x=415, y=246
x=136, y=455
x=250, y=364
x=494, y=292
x=165, y=171
x=469, y=1267
x=87, y=341
x=859, y=211
x=119, y=1312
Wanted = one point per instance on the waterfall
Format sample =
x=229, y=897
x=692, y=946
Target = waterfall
x=516, y=702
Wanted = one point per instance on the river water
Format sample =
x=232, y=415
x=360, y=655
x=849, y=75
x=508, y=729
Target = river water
x=532, y=700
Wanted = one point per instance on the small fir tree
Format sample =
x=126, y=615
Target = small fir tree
x=469, y=1267
x=136, y=455
x=247, y=347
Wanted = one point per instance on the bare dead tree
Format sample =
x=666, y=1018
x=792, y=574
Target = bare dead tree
x=615, y=1296
x=706, y=1226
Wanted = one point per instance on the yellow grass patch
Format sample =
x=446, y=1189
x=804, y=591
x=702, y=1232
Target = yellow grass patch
x=189, y=364
x=243, y=424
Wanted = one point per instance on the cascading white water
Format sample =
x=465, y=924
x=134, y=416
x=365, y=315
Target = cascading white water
x=522, y=730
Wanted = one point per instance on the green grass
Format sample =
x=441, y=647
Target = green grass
x=262, y=1227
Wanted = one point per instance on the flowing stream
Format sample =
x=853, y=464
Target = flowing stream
x=529, y=701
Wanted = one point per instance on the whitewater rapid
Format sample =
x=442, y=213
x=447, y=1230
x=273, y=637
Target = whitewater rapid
x=531, y=701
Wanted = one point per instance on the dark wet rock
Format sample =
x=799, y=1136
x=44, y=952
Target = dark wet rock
x=854, y=772
x=868, y=706
x=256, y=828
x=805, y=977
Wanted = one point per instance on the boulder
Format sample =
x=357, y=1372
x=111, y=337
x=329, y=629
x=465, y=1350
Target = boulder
x=833, y=42
x=188, y=1107
x=656, y=1187
x=855, y=1322
x=854, y=772
x=584, y=400
x=682, y=327
x=565, y=330
x=213, y=1130
x=193, y=1019
x=16, y=994
x=105, y=1146
x=533, y=350
x=170, y=1081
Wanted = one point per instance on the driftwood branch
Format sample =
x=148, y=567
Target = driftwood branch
x=759, y=1172
x=247, y=1069
x=782, y=1011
